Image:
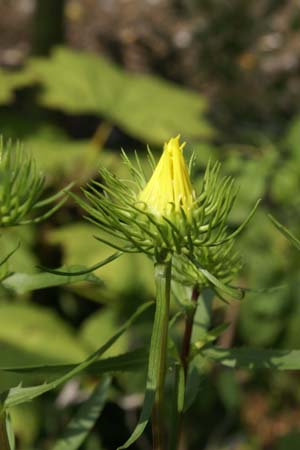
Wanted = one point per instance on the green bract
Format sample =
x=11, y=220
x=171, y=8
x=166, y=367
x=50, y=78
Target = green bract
x=21, y=187
x=221, y=262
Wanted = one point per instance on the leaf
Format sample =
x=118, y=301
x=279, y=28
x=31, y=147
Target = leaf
x=10, y=433
x=196, y=376
x=211, y=335
x=129, y=361
x=77, y=271
x=252, y=358
x=292, y=239
x=202, y=318
x=86, y=417
x=229, y=390
x=178, y=404
x=201, y=324
x=132, y=270
x=99, y=327
x=4, y=259
x=60, y=157
x=23, y=259
x=21, y=283
x=26, y=420
x=9, y=81
x=34, y=335
x=144, y=106
x=18, y=395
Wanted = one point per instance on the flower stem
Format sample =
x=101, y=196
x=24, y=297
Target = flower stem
x=184, y=357
x=186, y=343
x=163, y=290
x=4, y=443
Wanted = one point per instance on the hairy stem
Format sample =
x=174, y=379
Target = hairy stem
x=163, y=290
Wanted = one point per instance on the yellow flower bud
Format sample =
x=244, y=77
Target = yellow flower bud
x=169, y=189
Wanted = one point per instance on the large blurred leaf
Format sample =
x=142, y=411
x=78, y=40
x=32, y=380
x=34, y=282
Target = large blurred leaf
x=98, y=328
x=22, y=283
x=285, y=183
x=145, y=106
x=58, y=158
x=26, y=420
x=251, y=177
x=35, y=335
x=9, y=81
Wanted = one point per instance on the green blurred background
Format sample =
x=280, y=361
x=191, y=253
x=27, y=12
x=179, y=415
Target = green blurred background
x=79, y=79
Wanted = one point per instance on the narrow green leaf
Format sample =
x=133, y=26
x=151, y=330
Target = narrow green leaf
x=86, y=270
x=195, y=378
x=86, y=417
x=19, y=394
x=202, y=318
x=126, y=362
x=10, y=432
x=201, y=324
x=21, y=283
x=252, y=358
x=211, y=335
x=293, y=240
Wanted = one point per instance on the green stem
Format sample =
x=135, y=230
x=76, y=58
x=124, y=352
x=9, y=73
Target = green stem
x=163, y=290
x=189, y=321
x=4, y=443
x=182, y=372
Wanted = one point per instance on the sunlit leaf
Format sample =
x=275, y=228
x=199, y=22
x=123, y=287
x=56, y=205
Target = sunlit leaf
x=252, y=358
x=145, y=106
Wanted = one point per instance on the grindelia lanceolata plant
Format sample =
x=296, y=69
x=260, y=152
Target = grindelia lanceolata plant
x=186, y=235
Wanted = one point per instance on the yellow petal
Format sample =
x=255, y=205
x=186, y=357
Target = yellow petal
x=169, y=187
